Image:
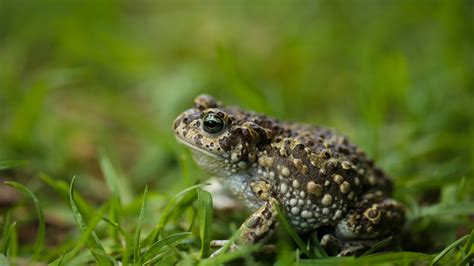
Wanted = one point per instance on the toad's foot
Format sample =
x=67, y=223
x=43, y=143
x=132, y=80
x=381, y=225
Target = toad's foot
x=372, y=219
x=334, y=245
x=375, y=216
x=272, y=249
x=220, y=244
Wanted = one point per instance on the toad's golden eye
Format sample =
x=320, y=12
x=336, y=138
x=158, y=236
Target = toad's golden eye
x=212, y=123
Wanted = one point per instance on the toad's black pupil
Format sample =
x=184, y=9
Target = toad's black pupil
x=213, y=124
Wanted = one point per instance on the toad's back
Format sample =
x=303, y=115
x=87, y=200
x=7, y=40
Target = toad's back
x=316, y=174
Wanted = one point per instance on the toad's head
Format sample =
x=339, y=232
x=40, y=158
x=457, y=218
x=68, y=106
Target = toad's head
x=224, y=140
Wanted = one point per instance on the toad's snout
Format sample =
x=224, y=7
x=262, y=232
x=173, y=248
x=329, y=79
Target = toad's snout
x=177, y=121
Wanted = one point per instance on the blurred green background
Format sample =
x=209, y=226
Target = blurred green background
x=86, y=78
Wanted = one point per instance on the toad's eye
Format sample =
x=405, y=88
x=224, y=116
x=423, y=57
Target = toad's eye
x=212, y=124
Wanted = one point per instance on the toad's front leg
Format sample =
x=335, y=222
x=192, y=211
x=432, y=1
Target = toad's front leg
x=260, y=225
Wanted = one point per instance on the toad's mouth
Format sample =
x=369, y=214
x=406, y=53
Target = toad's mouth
x=199, y=149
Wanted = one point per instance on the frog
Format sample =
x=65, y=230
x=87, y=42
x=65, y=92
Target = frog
x=310, y=174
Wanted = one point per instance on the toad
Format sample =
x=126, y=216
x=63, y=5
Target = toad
x=316, y=176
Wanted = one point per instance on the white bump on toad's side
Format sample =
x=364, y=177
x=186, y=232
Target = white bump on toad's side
x=283, y=188
x=295, y=210
x=351, y=195
x=346, y=165
x=325, y=211
x=235, y=157
x=297, y=163
x=337, y=178
x=306, y=214
x=337, y=215
x=357, y=181
x=293, y=202
x=269, y=161
x=327, y=200
x=315, y=189
x=372, y=180
x=285, y=171
x=345, y=187
x=296, y=183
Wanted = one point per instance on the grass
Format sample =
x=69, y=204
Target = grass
x=91, y=91
x=185, y=246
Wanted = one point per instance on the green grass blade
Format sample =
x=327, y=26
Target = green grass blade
x=293, y=234
x=128, y=240
x=8, y=243
x=110, y=175
x=6, y=225
x=84, y=257
x=378, y=246
x=94, y=242
x=205, y=220
x=333, y=261
x=41, y=224
x=138, y=229
x=397, y=258
x=469, y=242
x=168, y=241
x=185, y=163
x=112, y=181
x=63, y=189
x=101, y=254
x=85, y=236
x=7, y=164
x=319, y=250
x=285, y=252
x=459, y=208
x=7, y=239
x=447, y=249
x=162, y=255
x=13, y=249
x=466, y=260
x=167, y=213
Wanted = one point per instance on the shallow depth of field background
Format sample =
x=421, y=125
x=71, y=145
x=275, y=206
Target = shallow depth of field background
x=85, y=80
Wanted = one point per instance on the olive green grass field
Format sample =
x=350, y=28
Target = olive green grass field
x=91, y=173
